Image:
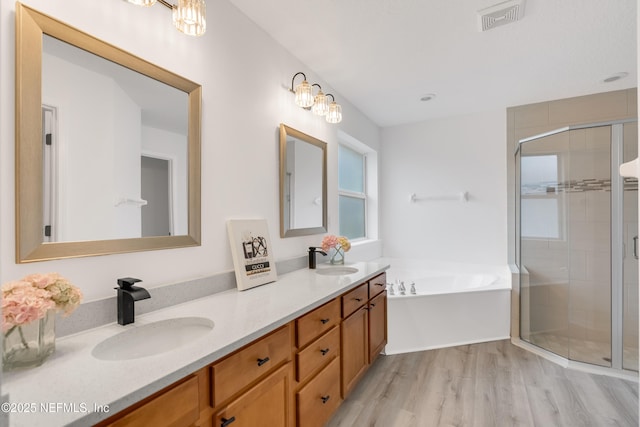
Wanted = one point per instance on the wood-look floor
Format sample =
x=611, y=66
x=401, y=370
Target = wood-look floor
x=491, y=384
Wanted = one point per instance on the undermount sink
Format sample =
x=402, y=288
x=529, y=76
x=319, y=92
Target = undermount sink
x=336, y=271
x=153, y=338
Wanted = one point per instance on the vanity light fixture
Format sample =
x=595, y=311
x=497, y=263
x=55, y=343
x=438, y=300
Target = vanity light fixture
x=189, y=16
x=334, y=115
x=304, y=92
x=318, y=104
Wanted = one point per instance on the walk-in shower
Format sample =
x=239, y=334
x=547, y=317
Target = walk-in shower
x=578, y=243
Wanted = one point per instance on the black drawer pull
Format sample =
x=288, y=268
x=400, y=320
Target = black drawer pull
x=324, y=321
x=325, y=398
x=226, y=422
x=263, y=361
x=324, y=351
x=358, y=299
x=373, y=305
x=379, y=284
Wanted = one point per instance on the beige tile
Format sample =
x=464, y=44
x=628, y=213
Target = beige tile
x=598, y=139
x=531, y=115
x=632, y=102
x=598, y=265
x=598, y=207
x=589, y=108
x=577, y=204
x=578, y=140
x=578, y=265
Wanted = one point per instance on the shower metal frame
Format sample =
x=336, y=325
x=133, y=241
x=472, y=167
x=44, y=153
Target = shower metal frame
x=617, y=241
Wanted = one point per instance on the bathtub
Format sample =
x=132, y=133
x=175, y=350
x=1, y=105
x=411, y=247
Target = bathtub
x=454, y=304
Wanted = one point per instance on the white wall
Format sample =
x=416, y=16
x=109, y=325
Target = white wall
x=97, y=122
x=164, y=144
x=443, y=158
x=242, y=72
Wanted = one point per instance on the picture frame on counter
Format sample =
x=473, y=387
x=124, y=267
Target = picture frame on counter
x=252, y=252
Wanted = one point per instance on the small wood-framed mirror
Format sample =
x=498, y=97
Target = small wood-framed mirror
x=85, y=198
x=303, y=183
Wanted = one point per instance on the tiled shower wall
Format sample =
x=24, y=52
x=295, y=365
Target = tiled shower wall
x=569, y=293
x=589, y=265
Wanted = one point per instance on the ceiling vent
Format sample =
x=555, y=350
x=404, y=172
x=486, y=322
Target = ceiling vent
x=500, y=14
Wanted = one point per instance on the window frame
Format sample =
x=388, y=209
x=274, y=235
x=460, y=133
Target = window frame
x=354, y=194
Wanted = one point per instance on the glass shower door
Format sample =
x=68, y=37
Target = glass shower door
x=544, y=261
x=565, y=243
x=630, y=257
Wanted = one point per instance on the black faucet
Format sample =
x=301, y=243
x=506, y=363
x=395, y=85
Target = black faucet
x=127, y=295
x=312, y=256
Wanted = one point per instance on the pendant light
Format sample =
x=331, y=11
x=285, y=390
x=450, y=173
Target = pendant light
x=189, y=16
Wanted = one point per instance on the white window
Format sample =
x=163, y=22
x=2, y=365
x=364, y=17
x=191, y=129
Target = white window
x=352, y=193
x=541, y=209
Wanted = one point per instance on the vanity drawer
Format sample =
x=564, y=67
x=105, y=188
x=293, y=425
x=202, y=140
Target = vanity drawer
x=354, y=300
x=249, y=364
x=319, y=399
x=176, y=407
x=377, y=285
x=316, y=323
x=318, y=354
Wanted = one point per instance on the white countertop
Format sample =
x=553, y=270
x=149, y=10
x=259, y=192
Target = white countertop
x=68, y=387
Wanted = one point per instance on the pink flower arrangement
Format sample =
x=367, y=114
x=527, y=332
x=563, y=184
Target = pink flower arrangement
x=29, y=299
x=338, y=242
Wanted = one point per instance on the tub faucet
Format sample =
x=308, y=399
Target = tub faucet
x=127, y=296
x=312, y=256
x=401, y=288
x=391, y=291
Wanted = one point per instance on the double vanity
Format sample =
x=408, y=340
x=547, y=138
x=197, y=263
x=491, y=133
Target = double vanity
x=285, y=353
x=282, y=354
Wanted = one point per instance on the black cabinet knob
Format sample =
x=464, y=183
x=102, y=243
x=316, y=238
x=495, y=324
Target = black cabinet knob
x=227, y=421
x=324, y=321
x=324, y=351
x=325, y=398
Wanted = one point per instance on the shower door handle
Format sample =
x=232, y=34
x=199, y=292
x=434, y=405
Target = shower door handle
x=635, y=247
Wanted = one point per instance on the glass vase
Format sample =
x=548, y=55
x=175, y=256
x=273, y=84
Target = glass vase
x=336, y=255
x=29, y=345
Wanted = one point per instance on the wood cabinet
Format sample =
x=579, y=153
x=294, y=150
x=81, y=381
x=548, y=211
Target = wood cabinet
x=355, y=348
x=320, y=397
x=296, y=375
x=318, y=365
x=267, y=404
x=313, y=324
x=364, y=329
x=253, y=362
x=175, y=406
x=377, y=325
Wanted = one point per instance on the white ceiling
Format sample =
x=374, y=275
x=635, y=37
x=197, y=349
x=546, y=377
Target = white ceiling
x=384, y=55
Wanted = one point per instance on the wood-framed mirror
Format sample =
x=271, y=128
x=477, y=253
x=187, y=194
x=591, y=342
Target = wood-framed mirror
x=96, y=127
x=303, y=183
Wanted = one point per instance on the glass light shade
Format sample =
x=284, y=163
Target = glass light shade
x=190, y=17
x=320, y=104
x=335, y=113
x=304, y=95
x=145, y=3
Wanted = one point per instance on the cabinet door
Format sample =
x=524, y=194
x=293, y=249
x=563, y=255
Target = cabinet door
x=177, y=407
x=354, y=348
x=267, y=404
x=377, y=325
x=250, y=364
x=319, y=399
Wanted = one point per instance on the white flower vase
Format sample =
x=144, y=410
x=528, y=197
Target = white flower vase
x=29, y=345
x=336, y=255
